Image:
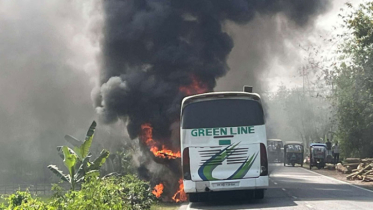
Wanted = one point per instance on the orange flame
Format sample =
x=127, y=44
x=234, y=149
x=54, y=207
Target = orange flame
x=158, y=190
x=196, y=87
x=180, y=195
x=147, y=137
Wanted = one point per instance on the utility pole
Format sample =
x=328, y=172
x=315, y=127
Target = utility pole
x=303, y=79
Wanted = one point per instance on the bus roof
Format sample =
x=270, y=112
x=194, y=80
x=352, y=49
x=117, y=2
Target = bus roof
x=214, y=95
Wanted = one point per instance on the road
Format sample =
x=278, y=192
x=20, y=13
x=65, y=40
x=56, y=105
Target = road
x=297, y=188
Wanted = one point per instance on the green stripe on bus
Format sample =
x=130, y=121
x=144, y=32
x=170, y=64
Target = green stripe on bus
x=224, y=142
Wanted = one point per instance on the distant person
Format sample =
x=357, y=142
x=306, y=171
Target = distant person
x=336, y=152
x=328, y=145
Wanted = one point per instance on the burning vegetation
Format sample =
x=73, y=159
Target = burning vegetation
x=160, y=150
x=180, y=195
x=158, y=190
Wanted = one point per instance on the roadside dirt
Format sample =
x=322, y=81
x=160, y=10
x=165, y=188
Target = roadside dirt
x=340, y=176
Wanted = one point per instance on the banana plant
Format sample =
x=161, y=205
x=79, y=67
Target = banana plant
x=77, y=160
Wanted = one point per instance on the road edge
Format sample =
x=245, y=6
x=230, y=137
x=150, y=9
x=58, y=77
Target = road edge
x=340, y=181
x=185, y=206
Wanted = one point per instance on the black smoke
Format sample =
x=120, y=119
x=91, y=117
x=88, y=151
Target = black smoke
x=153, y=47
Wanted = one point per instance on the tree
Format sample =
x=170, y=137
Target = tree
x=354, y=79
x=77, y=160
x=298, y=115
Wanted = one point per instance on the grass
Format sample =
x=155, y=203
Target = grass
x=165, y=206
x=44, y=198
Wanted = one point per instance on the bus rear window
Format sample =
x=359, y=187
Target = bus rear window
x=222, y=113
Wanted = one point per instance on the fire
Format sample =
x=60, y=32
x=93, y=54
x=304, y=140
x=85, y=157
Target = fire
x=147, y=137
x=158, y=190
x=196, y=87
x=165, y=153
x=180, y=195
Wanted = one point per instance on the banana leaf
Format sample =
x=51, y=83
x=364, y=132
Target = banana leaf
x=59, y=173
x=69, y=160
x=110, y=175
x=83, y=150
x=60, y=152
x=100, y=160
x=82, y=169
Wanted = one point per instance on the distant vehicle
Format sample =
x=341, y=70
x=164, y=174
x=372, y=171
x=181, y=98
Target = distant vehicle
x=223, y=144
x=293, y=153
x=275, y=150
x=317, y=155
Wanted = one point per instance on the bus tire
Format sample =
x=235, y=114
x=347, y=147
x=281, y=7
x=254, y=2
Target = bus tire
x=193, y=197
x=259, y=194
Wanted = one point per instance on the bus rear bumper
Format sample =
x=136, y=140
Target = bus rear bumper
x=226, y=185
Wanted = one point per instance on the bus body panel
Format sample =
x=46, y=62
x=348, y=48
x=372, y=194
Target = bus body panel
x=224, y=154
x=228, y=169
x=260, y=182
x=240, y=158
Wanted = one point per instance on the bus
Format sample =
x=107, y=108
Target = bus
x=223, y=144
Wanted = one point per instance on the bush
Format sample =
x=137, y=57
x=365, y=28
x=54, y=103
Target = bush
x=114, y=193
x=24, y=201
x=18, y=198
x=126, y=192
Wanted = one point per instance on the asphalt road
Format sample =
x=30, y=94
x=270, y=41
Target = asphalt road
x=296, y=188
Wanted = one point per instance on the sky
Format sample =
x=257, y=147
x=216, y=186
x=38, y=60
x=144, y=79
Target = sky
x=284, y=55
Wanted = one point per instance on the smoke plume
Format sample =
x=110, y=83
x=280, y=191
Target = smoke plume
x=157, y=52
x=44, y=90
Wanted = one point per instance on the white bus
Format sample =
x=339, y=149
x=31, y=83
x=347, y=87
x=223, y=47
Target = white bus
x=223, y=144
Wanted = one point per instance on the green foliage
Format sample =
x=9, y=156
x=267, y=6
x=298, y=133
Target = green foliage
x=99, y=161
x=83, y=150
x=354, y=79
x=59, y=173
x=120, y=162
x=57, y=190
x=77, y=160
x=70, y=162
x=18, y=198
x=24, y=201
x=114, y=193
x=126, y=162
x=126, y=192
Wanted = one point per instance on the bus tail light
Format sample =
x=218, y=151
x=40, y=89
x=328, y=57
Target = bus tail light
x=263, y=160
x=186, y=164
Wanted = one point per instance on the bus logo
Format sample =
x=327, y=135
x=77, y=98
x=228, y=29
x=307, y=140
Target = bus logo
x=205, y=171
x=222, y=131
